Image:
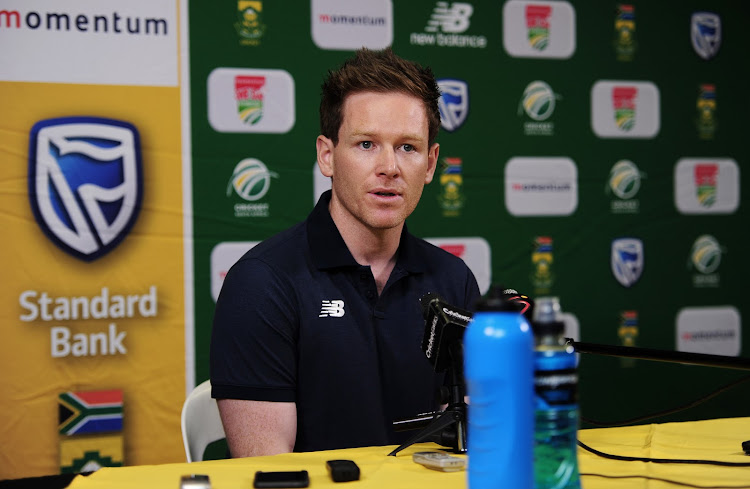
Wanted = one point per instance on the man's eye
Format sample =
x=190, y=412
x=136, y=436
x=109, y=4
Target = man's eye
x=366, y=144
x=408, y=148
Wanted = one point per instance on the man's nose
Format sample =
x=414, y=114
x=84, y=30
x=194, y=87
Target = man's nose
x=388, y=163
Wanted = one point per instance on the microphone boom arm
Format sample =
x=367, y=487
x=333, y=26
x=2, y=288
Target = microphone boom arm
x=703, y=359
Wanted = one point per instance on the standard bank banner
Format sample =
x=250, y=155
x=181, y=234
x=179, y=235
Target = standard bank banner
x=92, y=296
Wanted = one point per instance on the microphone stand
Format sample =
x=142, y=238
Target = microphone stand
x=439, y=423
x=703, y=359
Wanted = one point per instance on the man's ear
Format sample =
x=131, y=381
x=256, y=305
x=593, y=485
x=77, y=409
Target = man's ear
x=324, y=147
x=432, y=158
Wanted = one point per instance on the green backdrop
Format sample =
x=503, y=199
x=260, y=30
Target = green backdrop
x=278, y=36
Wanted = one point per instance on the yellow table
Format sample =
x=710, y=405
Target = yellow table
x=718, y=439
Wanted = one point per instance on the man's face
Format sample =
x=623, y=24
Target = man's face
x=382, y=160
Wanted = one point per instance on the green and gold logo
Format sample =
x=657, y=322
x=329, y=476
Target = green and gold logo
x=625, y=43
x=541, y=260
x=706, y=106
x=451, y=197
x=249, y=23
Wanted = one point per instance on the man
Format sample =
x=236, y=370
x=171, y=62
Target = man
x=317, y=333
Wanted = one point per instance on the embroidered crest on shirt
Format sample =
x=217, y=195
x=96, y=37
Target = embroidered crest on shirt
x=331, y=308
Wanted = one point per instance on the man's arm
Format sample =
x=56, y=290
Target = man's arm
x=256, y=428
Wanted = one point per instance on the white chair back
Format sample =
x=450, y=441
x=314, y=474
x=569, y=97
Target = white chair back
x=201, y=424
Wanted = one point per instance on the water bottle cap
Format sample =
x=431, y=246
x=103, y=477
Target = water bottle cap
x=548, y=316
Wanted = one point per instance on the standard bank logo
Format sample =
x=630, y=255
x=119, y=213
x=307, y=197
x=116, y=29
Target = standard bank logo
x=705, y=34
x=453, y=103
x=85, y=182
x=627, y=260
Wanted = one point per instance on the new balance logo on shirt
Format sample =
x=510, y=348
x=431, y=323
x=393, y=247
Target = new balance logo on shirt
x=331, y=308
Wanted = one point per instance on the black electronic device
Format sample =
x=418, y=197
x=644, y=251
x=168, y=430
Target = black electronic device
x=343, y=470
x=442, y=344
x=444, y=326
x=294, y=478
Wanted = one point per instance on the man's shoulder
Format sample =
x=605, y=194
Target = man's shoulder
x=284, y=247
x=435, y=255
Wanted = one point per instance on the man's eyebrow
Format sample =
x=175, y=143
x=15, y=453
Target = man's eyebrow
x=408, y=136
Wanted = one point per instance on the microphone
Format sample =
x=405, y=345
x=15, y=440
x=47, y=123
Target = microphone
x=444, y=329
x=445, y=323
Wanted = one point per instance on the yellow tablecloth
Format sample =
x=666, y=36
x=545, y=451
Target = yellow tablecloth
x=718, y=439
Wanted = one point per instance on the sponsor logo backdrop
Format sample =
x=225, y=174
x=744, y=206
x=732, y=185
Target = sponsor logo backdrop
x=574, y=162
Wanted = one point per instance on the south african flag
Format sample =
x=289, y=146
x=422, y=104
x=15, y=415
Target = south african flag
x=90, y=412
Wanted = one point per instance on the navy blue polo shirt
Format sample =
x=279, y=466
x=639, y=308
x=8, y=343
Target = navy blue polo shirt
x=298, y=319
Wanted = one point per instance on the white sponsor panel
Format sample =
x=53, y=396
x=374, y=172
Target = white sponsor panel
x=712, y=330
x=625, y=109
x=541, y=186
x=272, y=100
x=223, y=256
x=352, y=24
x=539, y=29
x=103, y=42
x=475, y=252
x=706, y=185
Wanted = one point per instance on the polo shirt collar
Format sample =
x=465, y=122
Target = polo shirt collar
x=328, y=249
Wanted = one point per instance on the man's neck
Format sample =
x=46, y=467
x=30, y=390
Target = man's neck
x=373, y=247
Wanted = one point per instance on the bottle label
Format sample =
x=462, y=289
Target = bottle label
x=556, y=387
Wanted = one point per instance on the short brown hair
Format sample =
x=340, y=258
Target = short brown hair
x=377, y=71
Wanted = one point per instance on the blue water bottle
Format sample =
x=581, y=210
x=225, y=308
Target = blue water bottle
x=498, y=368
x=556, y=385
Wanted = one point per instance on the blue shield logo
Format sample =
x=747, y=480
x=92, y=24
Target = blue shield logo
x=627, y=260
x=705, y=34
x=453, y=103
x=85, y=182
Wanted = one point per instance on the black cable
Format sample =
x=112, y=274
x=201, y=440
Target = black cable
x=662, y=460
x=683, y=407
x=669, y=481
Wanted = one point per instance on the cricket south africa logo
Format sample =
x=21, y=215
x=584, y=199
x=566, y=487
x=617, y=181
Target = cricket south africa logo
x=624, y=182
x=705, y=254
x=250, y=179
x=85, y=182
